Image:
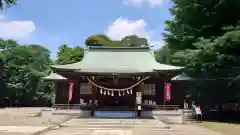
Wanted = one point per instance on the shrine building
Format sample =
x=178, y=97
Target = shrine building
x=116, y=79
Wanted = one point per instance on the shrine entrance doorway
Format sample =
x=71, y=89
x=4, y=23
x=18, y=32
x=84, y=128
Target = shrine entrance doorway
x=116, y=102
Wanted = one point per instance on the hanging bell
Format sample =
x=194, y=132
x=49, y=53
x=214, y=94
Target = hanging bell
x=119, y=93
x=101, y=91
x=108, y=92
x=104, y=93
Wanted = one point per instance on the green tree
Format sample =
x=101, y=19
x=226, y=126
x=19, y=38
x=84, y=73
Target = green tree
x=99, y=40
x=203, y=36
x=67, y=55
x=24, y=66
x=134, y=41
x=193, y=29
x=163, y=55
x=195, y=19
x=2, y=90
x=103, y=40
x=7, y=3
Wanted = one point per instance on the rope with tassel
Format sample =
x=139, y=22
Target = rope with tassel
x=118, y=90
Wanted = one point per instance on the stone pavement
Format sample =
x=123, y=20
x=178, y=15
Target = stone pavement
x=24, y=121
x=91, y=126
x=20, y=130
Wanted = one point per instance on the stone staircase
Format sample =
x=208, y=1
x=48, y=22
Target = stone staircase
x=115, y=114
x=189, y=115
x=169, y=116
x=115, y=124
x=179, y=116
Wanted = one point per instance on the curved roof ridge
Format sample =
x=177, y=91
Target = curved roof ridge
x=115, y=47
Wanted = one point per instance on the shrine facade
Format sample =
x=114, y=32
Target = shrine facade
x=116, y=78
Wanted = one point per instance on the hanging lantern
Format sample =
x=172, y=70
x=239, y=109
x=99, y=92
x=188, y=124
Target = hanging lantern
x=127, y=91
x=131, y=91
x=101, y=91
x=108, y=92
x=123, y=93
x=119, y=94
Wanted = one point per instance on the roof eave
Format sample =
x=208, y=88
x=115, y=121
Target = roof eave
x=63, y=67
x=113, y=73
x=182, y=77
x=54, y=77
x=172, y=69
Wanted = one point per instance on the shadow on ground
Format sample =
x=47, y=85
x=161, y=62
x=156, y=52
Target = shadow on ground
x=224, y=117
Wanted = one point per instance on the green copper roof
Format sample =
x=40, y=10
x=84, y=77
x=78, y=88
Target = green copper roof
x=182, y=77
x=117, y=60
x=54, y=76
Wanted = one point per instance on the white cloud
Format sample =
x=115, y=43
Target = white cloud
x=16, y=29
x=2, y=16
x=140, y=3
x=124, y=27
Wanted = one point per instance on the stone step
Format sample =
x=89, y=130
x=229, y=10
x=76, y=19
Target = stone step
x=115, y=125
x=149, y=125
x=118, y=128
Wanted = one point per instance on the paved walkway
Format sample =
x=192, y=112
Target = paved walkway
x=20, y=129
x=24, y=121
x=125, y=127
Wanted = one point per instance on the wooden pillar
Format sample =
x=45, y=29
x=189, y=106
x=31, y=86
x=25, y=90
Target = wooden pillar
x=76, y=92
x=2, y=84
x=56, y=92
x=94, y=89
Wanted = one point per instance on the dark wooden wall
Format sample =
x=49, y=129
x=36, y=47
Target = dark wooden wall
x=177, y=96
x=61, y=90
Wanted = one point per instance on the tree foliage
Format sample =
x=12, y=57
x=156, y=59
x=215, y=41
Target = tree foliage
x=103, y=40
x=7, y=3
x=23, y=66
x=134, y=41
x=204, y=37
x=99, y=40
x=68, y=55
x=202, y=34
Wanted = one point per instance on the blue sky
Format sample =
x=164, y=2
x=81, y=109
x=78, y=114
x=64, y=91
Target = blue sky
x=51, y=23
